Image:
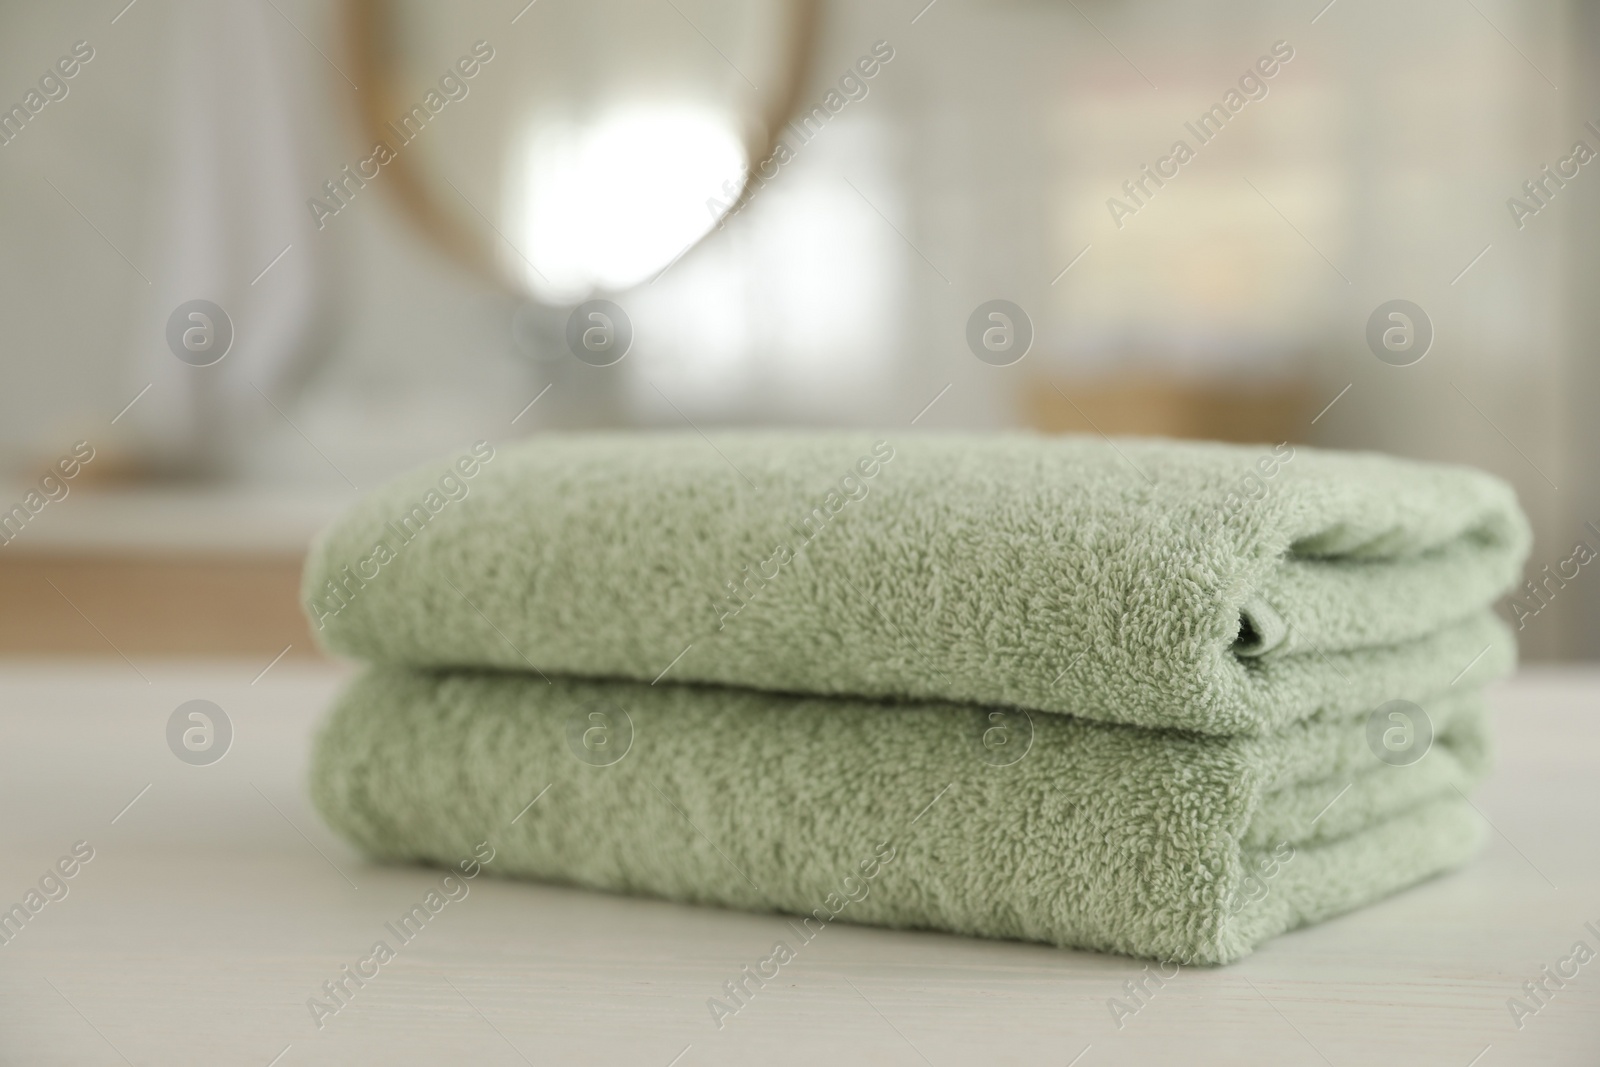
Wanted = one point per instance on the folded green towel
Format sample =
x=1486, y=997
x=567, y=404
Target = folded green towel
x=1155, y=843
x=1216, y=588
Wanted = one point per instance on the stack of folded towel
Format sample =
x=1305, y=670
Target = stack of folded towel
x=1139, y=696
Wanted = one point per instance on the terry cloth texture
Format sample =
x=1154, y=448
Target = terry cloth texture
x=1166, y=844
x=1115, y=695
x=1214, y=588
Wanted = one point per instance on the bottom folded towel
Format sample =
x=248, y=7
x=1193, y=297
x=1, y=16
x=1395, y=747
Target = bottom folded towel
x=1161, y=844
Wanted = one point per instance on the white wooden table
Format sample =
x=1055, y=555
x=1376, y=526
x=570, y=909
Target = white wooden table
x=216, y=904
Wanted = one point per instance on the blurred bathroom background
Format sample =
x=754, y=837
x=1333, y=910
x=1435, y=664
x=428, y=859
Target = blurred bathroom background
x=596, y=150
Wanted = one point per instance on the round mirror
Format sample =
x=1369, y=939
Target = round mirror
x=572, y=149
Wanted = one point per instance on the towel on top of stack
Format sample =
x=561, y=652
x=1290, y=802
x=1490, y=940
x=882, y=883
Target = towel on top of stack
x=1132, y=672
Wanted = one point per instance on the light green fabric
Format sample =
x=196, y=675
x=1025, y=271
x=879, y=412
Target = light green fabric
x=1155, y=843
x=811, y=635
x=1215, y=588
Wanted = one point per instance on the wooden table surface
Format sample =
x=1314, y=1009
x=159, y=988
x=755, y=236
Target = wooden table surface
x=216, y=904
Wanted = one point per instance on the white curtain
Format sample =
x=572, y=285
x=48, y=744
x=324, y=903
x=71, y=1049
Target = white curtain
x=231, y=226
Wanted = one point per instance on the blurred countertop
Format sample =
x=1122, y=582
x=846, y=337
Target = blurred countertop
x=218, y=902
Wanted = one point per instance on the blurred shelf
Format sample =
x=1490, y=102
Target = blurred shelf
x=160, y=572
x=93, y=603
x=1147, y=406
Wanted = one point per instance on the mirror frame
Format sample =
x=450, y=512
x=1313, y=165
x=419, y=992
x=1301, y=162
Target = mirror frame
x=370, y=41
